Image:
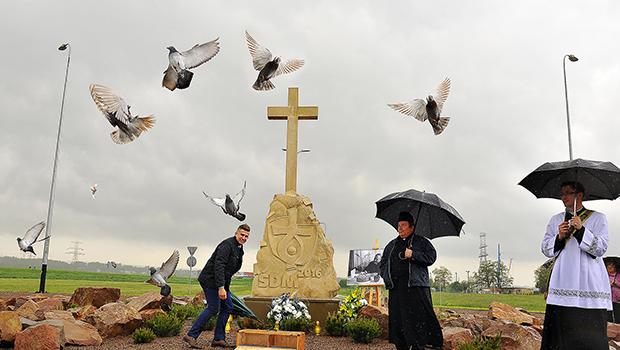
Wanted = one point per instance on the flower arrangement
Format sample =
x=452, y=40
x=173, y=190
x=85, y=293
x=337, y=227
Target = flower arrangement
x=351, y=304
x=285, y=307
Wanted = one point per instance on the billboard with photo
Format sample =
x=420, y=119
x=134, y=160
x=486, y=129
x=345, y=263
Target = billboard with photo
x=364, y=267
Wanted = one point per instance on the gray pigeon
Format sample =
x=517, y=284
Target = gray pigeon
x=178, y=75
x=230, y=205
x=268, y=66
x=127, y=127
x=428, y=109
x=160, y=277
x=31, y=237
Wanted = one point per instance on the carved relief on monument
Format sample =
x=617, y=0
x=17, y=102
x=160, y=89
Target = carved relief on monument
x=294, y=253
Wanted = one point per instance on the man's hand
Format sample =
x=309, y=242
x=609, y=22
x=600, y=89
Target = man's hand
x=408, y=253
x=563, y=230
x=222, y=293
x=576, y=222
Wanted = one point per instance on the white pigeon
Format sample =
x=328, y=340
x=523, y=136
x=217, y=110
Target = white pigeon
x=127, y=127
x=268, y=67
x=429, y=109
x=230, y=205
x=177, y=75
x=160, y=277
x=93, y=189
x=31, y=237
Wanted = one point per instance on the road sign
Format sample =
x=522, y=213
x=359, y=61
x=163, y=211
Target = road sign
x=192, y=250
x=191, y=261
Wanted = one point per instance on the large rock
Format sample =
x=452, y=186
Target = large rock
x=10, y=325
x=455, y=336
x=50, y=304
x=95, y=296
x=515, y=337
x=115, y=319
x=77, y=332
x=40, y=337
x=147, y=301
x=613, y=331
x=294, y=254
x=5, y=303
x=150, y=314
x=199, y=299
x=378, y=313
x=58, y=315
x=81, y=312
x=511, y=314
x=31, y=310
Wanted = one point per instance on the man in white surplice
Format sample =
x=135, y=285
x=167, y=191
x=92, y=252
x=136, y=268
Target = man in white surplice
x=579, y=293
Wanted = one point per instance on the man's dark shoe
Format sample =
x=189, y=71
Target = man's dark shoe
x=221, y=343
x=192, y=342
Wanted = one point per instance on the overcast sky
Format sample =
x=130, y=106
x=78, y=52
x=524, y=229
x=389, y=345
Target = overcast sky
x=506, y=103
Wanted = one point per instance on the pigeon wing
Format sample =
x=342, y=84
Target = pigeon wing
x=200, y=54
x=167, y=268
x=33, y=233
x=216, y=201
x=170, y=79
x=415, y=108
x=109, y=103
x=289, y=66
x=260, y=54
x=441, y=95
x=239, y=196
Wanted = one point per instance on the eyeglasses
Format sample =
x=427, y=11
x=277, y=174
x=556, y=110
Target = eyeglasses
x=563, y=194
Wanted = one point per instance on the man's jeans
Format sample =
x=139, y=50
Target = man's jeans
x=214, y=305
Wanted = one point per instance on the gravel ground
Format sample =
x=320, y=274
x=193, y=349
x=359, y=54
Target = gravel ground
x=322, y=342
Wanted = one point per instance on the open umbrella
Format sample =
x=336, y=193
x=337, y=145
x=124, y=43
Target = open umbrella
x=600, y=179
x=433, y=217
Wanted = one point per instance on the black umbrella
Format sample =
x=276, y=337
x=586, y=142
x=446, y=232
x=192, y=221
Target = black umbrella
x=433, y=217
x=600, y=179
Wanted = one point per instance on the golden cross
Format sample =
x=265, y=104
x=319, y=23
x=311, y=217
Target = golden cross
x=292, y=113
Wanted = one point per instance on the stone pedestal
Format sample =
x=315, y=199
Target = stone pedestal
x=318, y=308
x=294, y=256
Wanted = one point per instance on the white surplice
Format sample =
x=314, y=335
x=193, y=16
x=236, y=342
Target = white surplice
x=577, y=279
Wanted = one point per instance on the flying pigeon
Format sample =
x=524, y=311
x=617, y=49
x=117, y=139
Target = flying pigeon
x=31, y=237
x=428, y=109
x=229, y=205
x=111, y=263
x=93, y=189
x=268, y=66
x=159, y=277
x=127, y=127
x=178, y=75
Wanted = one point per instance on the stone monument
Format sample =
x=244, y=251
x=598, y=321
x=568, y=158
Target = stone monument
x=294, y=254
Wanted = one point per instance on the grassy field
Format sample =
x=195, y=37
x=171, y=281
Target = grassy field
x=26, y=280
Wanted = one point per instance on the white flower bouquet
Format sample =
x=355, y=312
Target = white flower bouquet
x=285, y=308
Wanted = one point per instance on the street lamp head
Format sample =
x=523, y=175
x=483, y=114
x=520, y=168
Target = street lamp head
x=63, y=47
x=572, y=58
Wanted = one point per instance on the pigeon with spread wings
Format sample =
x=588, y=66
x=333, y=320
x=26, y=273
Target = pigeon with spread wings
x=31, y=237
x=127, y=127
x=230, y=205
x=429, y=109
x=160, y=276
x=268, y=66
x=177, y=75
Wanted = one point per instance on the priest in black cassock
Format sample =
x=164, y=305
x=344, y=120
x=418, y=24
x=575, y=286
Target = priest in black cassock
x=404, y=268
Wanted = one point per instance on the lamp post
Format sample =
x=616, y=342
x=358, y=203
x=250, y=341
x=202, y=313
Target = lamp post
x=571, y=58
x=50, y=208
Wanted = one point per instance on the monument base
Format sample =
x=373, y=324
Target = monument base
x=318, y=308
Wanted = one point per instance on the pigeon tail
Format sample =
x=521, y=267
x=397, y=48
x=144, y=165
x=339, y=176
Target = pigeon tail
x=145, y=123
x=184, y=79
x=240, y=216
x=441, y=124
x=263, y=86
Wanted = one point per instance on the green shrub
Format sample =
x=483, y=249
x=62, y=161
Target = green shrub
x=184, y=312
x=334, y=325
x=210, y=325
x=165, y=325
x=481, y=343
x=363, y=330
x=300, y=324
x=249, y=323
x=143, y=335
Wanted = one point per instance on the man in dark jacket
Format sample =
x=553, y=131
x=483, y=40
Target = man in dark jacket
x=215, y=282
x=404, y=268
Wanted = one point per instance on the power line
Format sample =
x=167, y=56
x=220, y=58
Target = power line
x=75, y=250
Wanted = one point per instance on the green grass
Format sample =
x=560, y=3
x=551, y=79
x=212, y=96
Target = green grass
x=65, y=282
